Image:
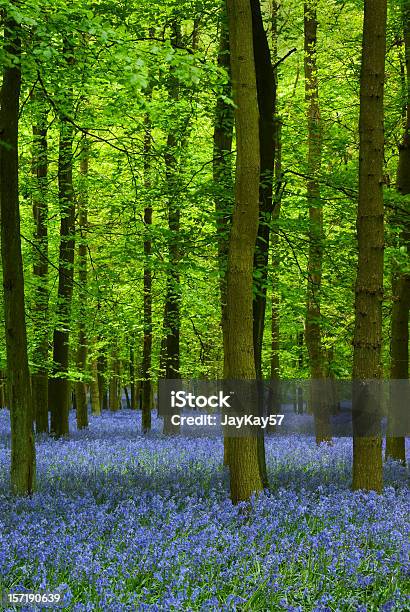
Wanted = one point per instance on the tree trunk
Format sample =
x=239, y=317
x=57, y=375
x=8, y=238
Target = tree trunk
x=23, y=459
x=82, y=407
x=239, y=360
x=367, y=450
x=102, y=384
x=147, y=348
x=58, y=390
x=222, y=164
x=3, y=384
x=94, y=390
x=40, y=265
x=313, y=335
x=114, y=399
x=132, y=374
x=173, y=291
x=222, y=174
x=399, y=348
x=274, y=394
x=266, y=93
x=275, y=329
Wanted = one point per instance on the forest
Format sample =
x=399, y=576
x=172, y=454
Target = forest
x=208, y=196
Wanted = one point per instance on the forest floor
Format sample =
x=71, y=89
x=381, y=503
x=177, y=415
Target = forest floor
x=126, y=522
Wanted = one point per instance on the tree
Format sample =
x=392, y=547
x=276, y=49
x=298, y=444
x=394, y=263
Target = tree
x=40, y=262
x=316, y=236
x=367, y=450
x=222, y=161
x=172, y=316
x=239, y=348
x=399, y=347
x=266, y=92
x=23, y=459
x=82, y=350
x=147, y=348
x=59, y=388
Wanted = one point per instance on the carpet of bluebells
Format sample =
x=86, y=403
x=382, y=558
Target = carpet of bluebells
x=126, y=522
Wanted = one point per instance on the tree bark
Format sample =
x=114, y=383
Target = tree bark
x=222, y=173
x=80, y=387
x=58, y=390
x=132, y=374
x=23, y=457
x=313, y=331
x=367, y=450
x=114, y=399
x=94, y=389
x=399, y=347
x=40, y=265
x=239, y=360
x=102, y=382
x=222, y=163
x=266, y=94
x=147, y=348
x=173, y=291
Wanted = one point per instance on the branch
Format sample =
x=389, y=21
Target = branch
x=282, y=59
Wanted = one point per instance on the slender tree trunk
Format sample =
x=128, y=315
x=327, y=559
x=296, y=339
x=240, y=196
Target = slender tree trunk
x=80, y=387
x=275, y=313
x=367, y=451
x=3, y=383
x=222, y=175
x=147, y=348
x=313, y=335
x=115, y=378
x=274, y=396
x=132, y=374
x=266, y=92
x=102, y=384
x=239, y=362
x=40, y=265
x=266, y=95
x=173, y=291
x=58, y=390
x=23, y=457
x=127, y=397
x=94, y=390
x=399, y=348
x=222, y=163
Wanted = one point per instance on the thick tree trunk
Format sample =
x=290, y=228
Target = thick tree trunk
x=147, y=348
x=23, y=460
x=58, y=389
x=40, y=265
x=399, y=348
x=80, y=387
x=239, y=362
x=367, y=450
x=313, y=335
